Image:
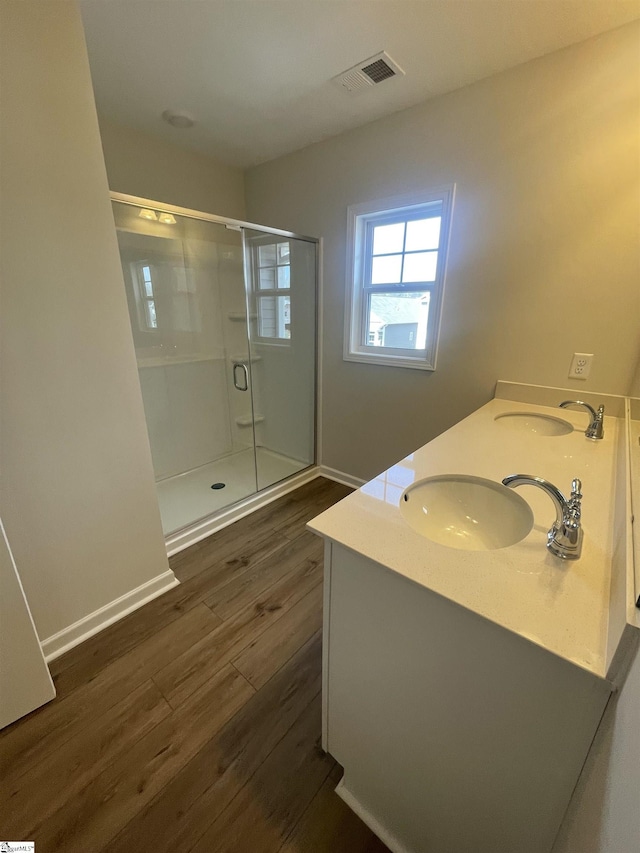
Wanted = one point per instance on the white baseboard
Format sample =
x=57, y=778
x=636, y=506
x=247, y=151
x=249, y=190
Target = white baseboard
x=73, y=635
x=195, y=533
x=366, y=817
x=177, y=542
x=340, y=477
x=97, y=621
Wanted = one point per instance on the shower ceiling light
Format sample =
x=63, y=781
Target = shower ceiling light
x=167, y=218
x=145, y=213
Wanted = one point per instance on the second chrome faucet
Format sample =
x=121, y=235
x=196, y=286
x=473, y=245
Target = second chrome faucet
x=564, y=539
x=595, y=430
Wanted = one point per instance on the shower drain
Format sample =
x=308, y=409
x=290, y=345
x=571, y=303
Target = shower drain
x=218, y=486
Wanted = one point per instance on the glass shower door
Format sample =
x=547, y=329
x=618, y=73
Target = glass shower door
x=281, y=294
x=185, y=289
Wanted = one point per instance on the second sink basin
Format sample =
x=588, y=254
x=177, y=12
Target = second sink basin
x=465, y=512
x=533, y=422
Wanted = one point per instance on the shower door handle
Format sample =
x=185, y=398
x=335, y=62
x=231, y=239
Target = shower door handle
x=245, y=376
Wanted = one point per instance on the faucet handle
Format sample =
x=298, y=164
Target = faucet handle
x=574, y=504
x=595, y=430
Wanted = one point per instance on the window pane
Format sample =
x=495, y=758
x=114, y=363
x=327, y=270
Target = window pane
x=423, y=234
x=284, y=276
x=267, y=317
x=274, y=317
x=398, y=320
x=419, y=267
x=284, y=253
x=268, y=278
x=388, y=238
x=150, y=310
x=267, y=255
x=284, y=317
x=386, y=269
x=146, y=281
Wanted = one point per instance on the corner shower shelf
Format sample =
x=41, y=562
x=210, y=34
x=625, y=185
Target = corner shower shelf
x=247, y=420
x=172, y=361
x=237, y=358
x=240, y=316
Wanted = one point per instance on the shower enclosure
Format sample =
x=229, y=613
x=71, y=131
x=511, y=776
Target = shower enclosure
x=223, y=317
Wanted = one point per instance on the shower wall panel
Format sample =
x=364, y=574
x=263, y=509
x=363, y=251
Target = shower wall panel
x=187, y=420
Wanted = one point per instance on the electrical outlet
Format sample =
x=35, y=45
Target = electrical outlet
x=580, y=365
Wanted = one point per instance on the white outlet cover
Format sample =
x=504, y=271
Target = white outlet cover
x=580, y=365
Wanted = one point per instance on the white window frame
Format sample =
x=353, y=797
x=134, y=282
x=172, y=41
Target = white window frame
x=398, y=208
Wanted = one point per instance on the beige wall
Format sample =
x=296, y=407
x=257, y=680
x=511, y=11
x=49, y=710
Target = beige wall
x=149, y=167
x=544, y=256
x=78, y=496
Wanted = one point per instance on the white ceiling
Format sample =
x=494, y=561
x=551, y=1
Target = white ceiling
x=256, y=73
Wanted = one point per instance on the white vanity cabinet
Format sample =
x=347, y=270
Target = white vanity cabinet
x=463, y=686
x=456, y=736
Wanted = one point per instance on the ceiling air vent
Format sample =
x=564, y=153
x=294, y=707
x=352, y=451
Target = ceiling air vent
x=368, y=73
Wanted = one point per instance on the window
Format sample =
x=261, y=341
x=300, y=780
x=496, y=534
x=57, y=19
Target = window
x=146, y=298
x=272, y=282
x=396, y=269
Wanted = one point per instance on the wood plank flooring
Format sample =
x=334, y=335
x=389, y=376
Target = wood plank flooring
x=194, y=723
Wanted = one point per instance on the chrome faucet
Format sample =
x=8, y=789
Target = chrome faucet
x=564, y=539
x=595, y=430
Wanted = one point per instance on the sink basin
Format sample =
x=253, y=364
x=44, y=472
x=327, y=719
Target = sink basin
x=532, y=422
x=466, y=512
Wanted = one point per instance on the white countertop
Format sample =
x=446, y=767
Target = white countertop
x=561, y=605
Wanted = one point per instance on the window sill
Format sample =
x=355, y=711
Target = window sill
x=389, y=361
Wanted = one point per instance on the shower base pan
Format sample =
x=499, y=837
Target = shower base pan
x=187, y=498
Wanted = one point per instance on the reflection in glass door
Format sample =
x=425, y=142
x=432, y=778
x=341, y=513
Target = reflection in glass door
x=185, y=289
x=223, y=324
x=281, y=276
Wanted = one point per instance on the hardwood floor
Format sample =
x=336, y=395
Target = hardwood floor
x=194, y=723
